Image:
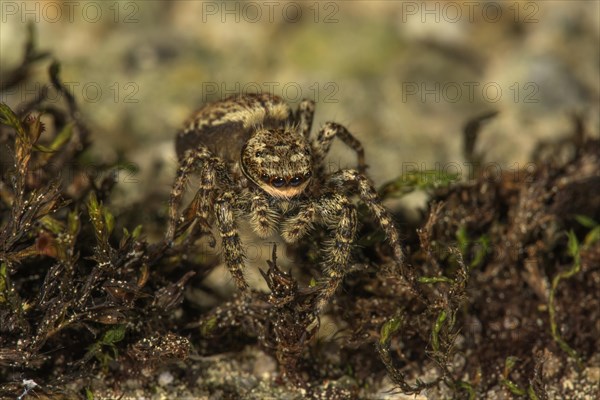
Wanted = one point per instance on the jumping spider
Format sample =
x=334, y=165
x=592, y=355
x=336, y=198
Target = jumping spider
x=255, y=157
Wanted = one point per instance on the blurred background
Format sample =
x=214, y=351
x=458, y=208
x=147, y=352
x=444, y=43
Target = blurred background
x=403, y=76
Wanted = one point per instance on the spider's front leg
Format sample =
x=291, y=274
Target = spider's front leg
x=338, y=211
x=230, y=237
x=323, y=143
x=369, y=196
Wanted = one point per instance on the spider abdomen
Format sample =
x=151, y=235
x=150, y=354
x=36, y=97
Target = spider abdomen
x=225, y=126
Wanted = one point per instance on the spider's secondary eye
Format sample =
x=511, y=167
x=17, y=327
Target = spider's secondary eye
x=264, y=177
x=307, y=175
x=296, y=180
x=258, y=154
x=278, y=182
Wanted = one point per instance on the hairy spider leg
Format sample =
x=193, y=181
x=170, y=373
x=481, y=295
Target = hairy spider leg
x=230, y=237
x=369, y=196
x=199, y=159
x=338, y=211
x=305, y=115
x=322, y=144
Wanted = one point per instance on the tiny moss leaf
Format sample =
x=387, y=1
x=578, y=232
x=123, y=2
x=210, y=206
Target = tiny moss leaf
x=114, y=335
x=3, y=283
x=586, y=221
x=439, y=323
x=388, y=329
x=434, y=279
x=208, y=326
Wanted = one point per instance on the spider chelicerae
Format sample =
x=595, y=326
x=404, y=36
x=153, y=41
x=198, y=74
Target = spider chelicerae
x=255, y=157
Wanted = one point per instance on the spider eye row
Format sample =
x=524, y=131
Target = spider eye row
x=278, y=181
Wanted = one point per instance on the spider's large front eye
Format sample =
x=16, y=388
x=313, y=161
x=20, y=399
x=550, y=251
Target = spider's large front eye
x=296, y=180
x=277, y=181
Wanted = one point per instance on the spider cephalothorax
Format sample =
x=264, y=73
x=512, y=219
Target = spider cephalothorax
x=278, y=160
x=255, y=157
